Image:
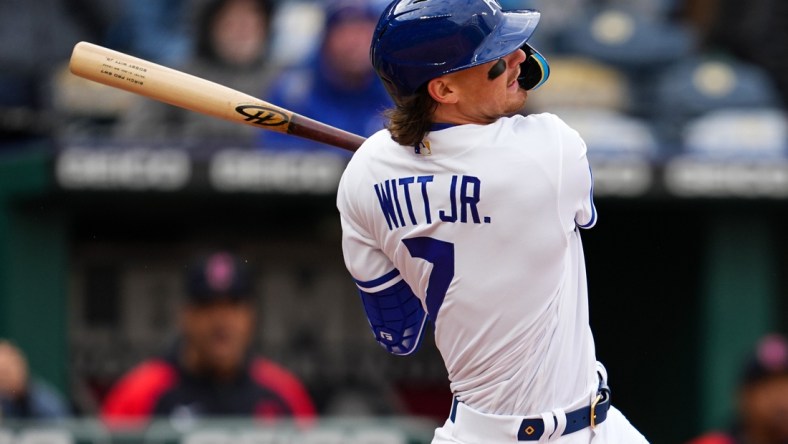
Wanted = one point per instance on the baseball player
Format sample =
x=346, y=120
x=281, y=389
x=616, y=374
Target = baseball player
x=461, y=216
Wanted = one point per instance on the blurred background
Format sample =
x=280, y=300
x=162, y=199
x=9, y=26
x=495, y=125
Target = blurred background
x=108, y=200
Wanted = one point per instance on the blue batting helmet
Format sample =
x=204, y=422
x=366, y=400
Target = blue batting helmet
x=418, y=40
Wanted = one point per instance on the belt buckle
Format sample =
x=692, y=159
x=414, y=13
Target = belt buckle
x=593, y=410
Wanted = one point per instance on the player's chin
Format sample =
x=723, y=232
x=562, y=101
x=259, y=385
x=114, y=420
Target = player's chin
x=517, y=102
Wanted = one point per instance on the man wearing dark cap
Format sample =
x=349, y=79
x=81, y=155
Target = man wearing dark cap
x=210, y=372
x=762, y=399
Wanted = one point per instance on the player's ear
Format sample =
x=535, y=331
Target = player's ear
x=442, y=90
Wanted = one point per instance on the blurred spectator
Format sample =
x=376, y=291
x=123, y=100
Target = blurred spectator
x=232, y=50
x=297, y=30
x=94, y=17
x=762, y=398
x=211, y=371
x=156, y=30
x=22, y=396
x=337, y=86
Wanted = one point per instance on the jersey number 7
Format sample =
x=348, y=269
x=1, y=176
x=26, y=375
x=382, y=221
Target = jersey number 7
x=441, y=255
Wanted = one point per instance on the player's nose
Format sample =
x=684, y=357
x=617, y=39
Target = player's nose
x=514, y=59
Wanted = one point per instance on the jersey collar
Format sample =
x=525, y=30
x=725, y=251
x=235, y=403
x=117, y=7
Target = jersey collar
x=442, y=126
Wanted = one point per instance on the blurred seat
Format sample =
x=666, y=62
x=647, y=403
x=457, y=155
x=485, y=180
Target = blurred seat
x=706, y=83
x=380, y=437
x=577, y=82
x=556, y=17
x=84, y=107
x=623, y=37
x=209, y=437
x=42, y=436
x=607, y=132
x=260, y=436
x=78, y=96
x=653, y=9
x=593, y=98
x=323, y=437
x=297, y=28
x=748, y=132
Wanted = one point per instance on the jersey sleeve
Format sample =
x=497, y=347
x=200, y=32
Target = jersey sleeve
x=394, y=312
x=576, y=195
x=370, y=268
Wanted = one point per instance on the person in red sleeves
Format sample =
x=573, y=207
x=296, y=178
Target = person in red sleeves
x=762, y=399
x=211, y=371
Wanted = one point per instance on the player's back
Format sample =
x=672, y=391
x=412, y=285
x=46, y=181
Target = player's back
x=480, y=222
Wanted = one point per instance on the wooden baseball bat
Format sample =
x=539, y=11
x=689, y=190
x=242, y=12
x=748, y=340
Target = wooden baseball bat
x=177, y=88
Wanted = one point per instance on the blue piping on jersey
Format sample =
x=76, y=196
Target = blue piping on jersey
x=593, y=207
x=379, y=281
x=419, y=336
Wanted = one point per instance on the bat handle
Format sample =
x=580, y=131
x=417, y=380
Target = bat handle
x=311, y=129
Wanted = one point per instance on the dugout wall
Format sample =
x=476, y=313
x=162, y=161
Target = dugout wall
x=681, y=286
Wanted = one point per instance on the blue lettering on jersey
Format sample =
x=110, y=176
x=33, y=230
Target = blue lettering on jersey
x=468, y=202
x=405, y=183
x=453, y=216
x=424, y=180
x=387, y=198
x=464, y=192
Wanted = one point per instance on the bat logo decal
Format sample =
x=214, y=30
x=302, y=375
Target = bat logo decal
x=263, y=116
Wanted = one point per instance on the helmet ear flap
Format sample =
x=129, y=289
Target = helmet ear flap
x=534, y=71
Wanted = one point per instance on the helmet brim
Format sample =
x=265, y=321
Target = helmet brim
x=515, y=29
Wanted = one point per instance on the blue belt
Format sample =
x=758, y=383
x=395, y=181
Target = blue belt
x=591, y=416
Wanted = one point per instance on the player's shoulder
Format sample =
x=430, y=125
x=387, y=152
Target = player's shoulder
x=544, y=121
x=375, y=144
x=361, y=169
x=552, y=127
x=370, y=151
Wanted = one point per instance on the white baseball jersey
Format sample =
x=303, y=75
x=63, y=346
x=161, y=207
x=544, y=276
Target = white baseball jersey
x=481, y=222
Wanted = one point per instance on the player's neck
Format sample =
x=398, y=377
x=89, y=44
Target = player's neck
x=451, y=113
